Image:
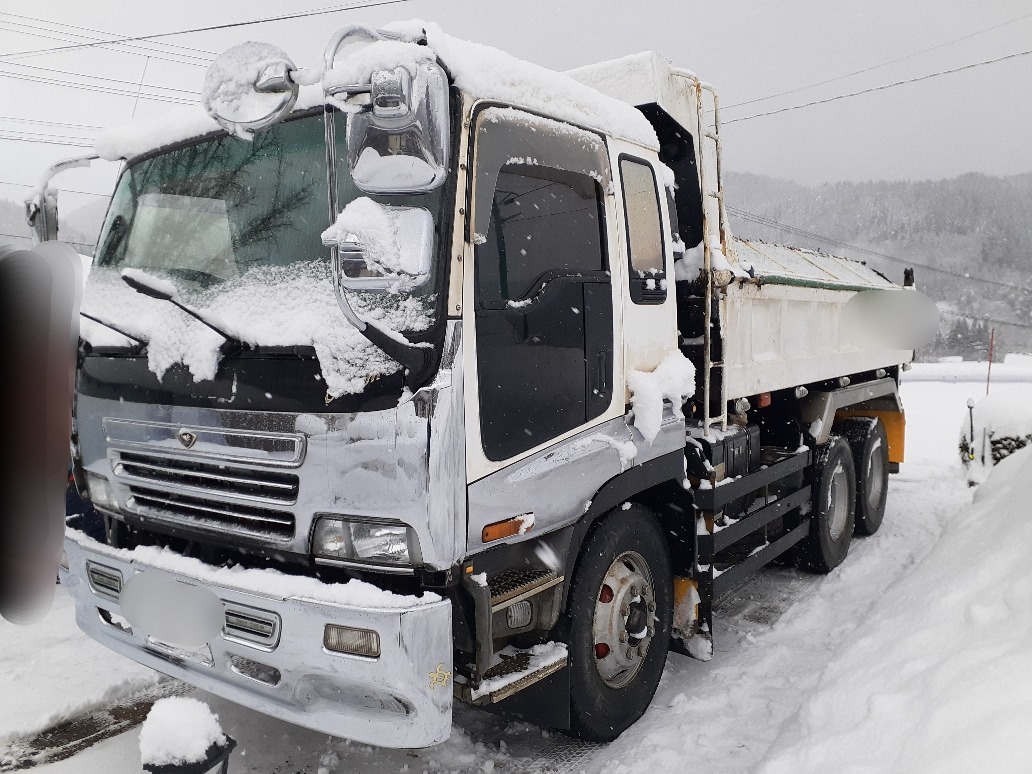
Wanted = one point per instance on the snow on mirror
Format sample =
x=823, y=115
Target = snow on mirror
x=381, y=247
x=396, y=97
x=249, y=87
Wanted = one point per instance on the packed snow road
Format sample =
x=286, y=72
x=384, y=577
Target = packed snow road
x=748, y=709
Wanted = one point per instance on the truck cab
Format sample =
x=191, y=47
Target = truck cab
x=446, y=379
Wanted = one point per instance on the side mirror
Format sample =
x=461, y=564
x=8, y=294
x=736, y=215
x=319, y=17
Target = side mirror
x=398, y=120
x=41, y=207
x=41, y=215
x=381, y=247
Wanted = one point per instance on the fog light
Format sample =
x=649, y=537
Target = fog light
x=357, y=642
x=101, y=493
x=518, y=615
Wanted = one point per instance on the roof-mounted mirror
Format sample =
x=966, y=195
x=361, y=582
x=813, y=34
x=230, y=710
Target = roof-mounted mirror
x=249, y=87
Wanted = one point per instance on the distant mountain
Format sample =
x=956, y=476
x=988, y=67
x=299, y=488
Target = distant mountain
x=972, y=225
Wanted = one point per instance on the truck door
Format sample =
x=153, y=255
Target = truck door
x=542, y=292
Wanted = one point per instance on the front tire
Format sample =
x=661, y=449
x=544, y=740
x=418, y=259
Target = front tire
x=834, y=508
x=619, y=609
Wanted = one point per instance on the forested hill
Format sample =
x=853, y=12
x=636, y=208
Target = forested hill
x=972, y=225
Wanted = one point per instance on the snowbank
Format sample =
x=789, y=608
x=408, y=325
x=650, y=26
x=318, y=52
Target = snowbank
x=996, y=427
x=673, y=380
x=1011, y=370
x=178, y=730
x=938, y=677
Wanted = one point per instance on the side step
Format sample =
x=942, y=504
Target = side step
x=517, y=670
x=514, y=586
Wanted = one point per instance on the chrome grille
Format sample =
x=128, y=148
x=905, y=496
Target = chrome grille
x=251, y=626
x=212, y=515
x=266, y=485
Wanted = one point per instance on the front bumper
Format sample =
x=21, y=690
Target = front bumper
x=402, y=698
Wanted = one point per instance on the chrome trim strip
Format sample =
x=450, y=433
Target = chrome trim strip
x=274, y=449
x=134, y=504
x=385, y=568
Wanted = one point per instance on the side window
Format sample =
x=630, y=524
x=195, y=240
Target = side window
x=545, y=223
x=544, y=300
x=644, y=232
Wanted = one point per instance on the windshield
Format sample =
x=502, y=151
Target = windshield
x=236, y=226
x=209, y=212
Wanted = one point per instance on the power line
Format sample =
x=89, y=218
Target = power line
x=48, y=123
x=283, y=17
x=65, y=190
x=771, y=223
x=126, y=49
x=46, y=142
x=95, y=87
x=879, y=66
x=134, y=84
x=207, y=54
x=29, y=236
x=883, y=87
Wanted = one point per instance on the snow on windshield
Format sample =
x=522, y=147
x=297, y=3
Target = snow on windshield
x=268, y=305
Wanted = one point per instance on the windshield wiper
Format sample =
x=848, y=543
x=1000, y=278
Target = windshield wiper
x=165, y=291
x=140, y=343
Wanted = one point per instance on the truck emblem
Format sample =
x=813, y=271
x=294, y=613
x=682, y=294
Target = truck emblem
x=439, y=677
x=187, y=438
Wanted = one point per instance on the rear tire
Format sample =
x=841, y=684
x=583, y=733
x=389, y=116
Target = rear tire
x=612, y=686
x=834, y=508
x=870, y=447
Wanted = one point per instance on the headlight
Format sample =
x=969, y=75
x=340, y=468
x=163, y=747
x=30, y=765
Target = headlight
x=375, y=542
x=101, y=493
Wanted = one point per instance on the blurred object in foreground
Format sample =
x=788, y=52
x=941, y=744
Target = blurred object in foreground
x=993, y=428
x=39, y=326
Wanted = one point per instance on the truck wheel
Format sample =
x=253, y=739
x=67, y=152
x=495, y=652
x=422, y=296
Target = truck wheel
x=834, y=508
x=870, y=447
x=619, y=609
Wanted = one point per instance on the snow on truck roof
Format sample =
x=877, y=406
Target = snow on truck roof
x=794, y=265
x=478, y=70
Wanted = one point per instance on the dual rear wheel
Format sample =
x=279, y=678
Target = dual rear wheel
x=850, y=484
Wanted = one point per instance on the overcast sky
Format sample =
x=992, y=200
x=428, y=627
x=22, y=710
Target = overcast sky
x=978, y=120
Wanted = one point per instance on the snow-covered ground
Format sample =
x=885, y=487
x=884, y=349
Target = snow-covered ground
x=912, y=657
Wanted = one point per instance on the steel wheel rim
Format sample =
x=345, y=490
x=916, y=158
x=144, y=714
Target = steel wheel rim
x=624, y=619
x=838, y=508
x=875, y=478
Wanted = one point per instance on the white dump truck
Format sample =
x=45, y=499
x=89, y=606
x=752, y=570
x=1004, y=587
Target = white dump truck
x=439, y=376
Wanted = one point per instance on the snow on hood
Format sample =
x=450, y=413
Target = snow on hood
x=937, y=677
x=481, y=71
x=269, y=305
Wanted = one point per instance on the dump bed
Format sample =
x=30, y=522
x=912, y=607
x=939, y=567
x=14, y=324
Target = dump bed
x=783, y=326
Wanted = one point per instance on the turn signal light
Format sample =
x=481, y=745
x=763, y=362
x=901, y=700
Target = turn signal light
x=518, y=525
x=356, y=642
